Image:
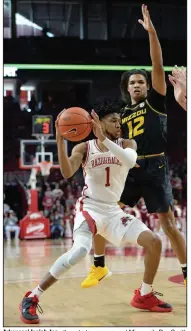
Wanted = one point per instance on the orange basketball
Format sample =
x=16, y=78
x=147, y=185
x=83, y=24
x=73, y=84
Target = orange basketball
x=75, y=124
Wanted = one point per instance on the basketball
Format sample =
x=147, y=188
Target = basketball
x=75, y=124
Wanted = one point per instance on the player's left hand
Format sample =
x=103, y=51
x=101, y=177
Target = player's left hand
x=137, y=166
x=58, y=135
x=97, y=129
x=146, y=22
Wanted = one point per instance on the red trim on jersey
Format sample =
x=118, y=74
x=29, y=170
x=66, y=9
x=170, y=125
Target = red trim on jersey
x=91, y=222
x=120, y=142
x=96, y=145
x=87, y=154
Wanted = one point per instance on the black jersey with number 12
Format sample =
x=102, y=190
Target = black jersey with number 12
x=146, y=123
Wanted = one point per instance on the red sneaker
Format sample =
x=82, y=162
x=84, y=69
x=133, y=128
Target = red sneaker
x=150, y=302
x=28, y=309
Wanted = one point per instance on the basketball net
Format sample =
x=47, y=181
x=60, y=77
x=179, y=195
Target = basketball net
x=45, y=167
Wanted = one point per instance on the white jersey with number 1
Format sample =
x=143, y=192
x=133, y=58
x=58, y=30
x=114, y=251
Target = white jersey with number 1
x=104, y=174
x=105, y=178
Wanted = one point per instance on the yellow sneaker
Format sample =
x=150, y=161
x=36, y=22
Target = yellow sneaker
x=185, y=281
x=95, y=275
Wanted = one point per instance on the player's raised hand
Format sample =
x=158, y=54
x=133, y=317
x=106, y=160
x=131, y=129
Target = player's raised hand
x=178, y=81
x=146, y=21
x=179, y=75
x=97, y=129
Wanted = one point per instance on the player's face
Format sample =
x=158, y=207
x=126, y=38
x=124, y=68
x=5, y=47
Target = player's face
x=137, y=87
x=111, y=125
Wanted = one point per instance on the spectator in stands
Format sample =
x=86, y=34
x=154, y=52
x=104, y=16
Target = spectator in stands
x=68, y=190
x=57, y=192
x=178, y=215
x=177, y=187
x=6, y=208
x=48, y=202
x=10, y=224
x=62, y=184
x=57, y=206
x=70, y=201
x=68, y=223
x=78, y=191
x=56, y=224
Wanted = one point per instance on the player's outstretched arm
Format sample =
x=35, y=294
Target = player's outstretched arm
x=69, y=165
x=158, y=75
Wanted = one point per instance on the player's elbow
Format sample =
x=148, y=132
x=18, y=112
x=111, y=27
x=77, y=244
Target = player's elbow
x=66, y=174
x=131, y=156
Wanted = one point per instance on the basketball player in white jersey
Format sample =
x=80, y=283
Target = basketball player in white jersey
x=106, y=162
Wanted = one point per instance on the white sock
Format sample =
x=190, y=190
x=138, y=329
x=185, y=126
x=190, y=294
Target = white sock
x=145, y=288
x=37, y=291
x=95, y=255
x=184, y=265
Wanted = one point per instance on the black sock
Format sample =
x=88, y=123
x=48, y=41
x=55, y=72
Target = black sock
x=184, y=271
x=99, y=261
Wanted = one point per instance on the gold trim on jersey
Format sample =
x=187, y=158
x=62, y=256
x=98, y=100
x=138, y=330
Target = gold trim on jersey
x=146, y=101
x=156, y=111
x=149, y=155
x=127, y=108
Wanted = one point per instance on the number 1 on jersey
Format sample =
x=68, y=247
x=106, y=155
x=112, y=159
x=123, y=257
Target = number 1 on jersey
x=107, y=176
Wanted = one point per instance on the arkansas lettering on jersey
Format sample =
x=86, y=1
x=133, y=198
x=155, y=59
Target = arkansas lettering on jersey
x=105, y=160
x=104, y=174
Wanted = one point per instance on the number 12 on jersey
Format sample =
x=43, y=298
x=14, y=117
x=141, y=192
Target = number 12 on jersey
x=136, y=127
x=107, y=183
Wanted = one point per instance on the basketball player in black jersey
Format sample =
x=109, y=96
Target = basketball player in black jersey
x=144, y=119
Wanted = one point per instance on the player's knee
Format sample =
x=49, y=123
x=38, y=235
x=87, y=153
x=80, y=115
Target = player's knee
x=77, y=255
x=150, y=240
x=81, y=247
x=154, y=242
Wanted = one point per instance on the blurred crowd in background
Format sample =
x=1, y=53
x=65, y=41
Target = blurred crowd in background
x=57, y=197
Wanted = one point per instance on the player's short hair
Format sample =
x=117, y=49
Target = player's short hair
x=125, y=80
x=107, y=107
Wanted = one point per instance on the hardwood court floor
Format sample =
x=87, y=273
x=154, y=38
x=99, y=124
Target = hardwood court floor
x=108, y=304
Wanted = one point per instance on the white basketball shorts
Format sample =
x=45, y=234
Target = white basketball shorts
x=108, y=220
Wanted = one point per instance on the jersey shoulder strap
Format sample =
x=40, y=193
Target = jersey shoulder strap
x=88, y=147
x=119, y=142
